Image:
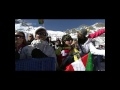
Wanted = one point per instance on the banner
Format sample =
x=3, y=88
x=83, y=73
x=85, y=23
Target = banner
x=41, y=64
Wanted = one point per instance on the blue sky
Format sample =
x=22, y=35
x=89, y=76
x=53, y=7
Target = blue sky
x=63, y=24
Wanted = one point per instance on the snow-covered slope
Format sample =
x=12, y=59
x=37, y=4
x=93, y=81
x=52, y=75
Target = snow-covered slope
x=22, y=26
x=30, y=29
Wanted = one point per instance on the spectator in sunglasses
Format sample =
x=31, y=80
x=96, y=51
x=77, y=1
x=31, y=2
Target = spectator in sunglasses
x=20, y=41
x=21, y=46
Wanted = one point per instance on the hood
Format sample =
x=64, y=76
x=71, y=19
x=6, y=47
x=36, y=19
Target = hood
x=39, y=28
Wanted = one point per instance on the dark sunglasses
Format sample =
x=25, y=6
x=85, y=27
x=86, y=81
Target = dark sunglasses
x=18, y=36
x=44, y=34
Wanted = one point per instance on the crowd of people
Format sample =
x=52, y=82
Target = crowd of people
x=65, y=51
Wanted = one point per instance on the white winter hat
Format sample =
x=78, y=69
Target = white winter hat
x=40, y=28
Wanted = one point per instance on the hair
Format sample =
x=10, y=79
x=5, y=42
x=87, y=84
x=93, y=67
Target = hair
x=31, y=35
x=47, y=39
x=82, y=40
x=24, y=41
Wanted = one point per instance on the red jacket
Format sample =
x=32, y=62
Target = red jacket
x=97, y=33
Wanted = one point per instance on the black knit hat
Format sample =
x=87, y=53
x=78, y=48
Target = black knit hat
x=66, y=37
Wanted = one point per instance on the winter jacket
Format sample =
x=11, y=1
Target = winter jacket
x=88, y=46
x=26, y=52
x=45, y=48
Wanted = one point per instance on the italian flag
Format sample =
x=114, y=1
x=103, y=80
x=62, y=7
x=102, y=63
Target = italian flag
x=41, y=21
x=83, y=64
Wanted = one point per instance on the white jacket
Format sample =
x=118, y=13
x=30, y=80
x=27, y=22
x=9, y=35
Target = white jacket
x=88, y=46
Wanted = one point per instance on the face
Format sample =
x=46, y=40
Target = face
x=71, y=41
x=67, y=42
x=30, y=37
x=57, y=42
x=75, y=41
x=19, y=39
x=49, y=39
x=41, y=35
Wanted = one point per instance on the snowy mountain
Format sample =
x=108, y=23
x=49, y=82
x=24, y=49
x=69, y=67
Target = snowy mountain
x=30, y=29
x=27, y=28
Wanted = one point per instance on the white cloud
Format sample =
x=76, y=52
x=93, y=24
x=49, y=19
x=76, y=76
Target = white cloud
x=31, y=24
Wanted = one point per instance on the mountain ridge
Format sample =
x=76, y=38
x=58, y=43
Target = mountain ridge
x=21, y=25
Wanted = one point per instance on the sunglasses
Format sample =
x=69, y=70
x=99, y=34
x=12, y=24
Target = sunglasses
x=40, y=33
x=18, y=36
